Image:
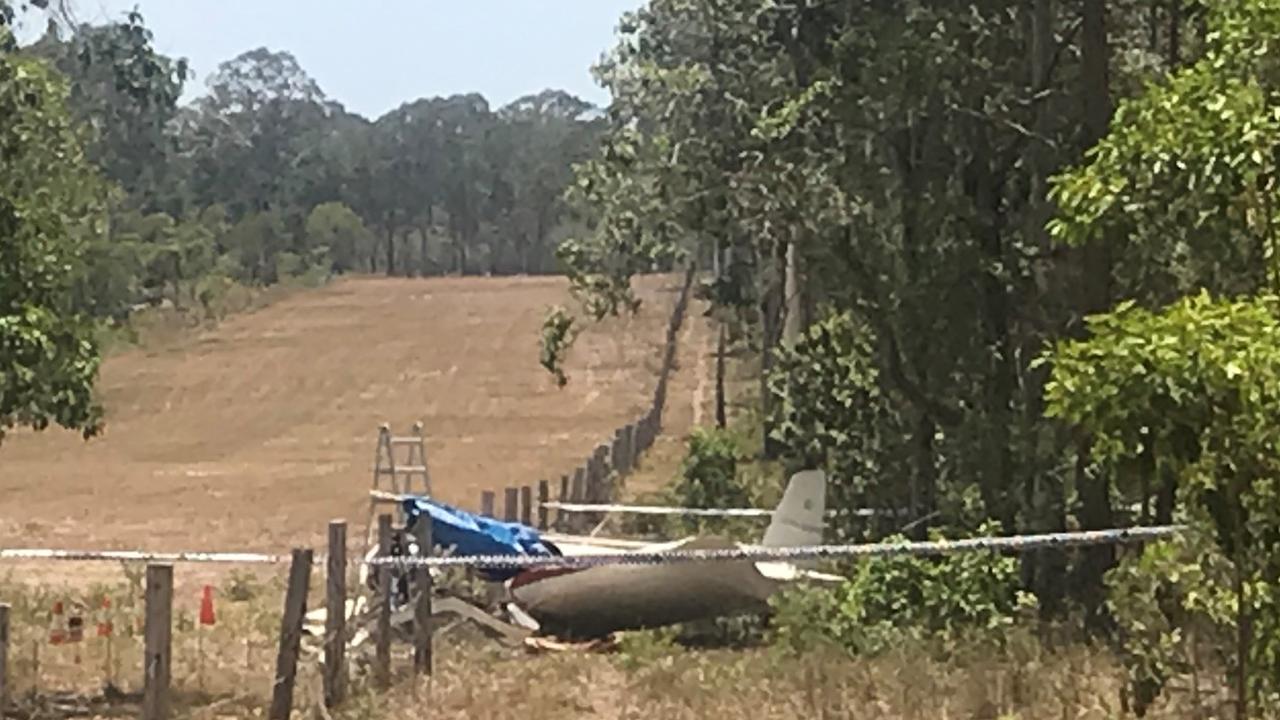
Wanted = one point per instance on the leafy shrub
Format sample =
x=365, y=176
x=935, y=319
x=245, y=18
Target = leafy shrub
x=558, y=334
x=289, y=265
x=1174, y=603
x=828, y=412
x=708, y=475
x=642, y=648
x=1193, y=391
x=889, y=599
x=709, y=478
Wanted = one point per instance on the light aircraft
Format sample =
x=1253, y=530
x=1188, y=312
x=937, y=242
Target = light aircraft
x=594, y=601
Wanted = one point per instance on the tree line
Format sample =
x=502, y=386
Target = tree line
x=265, y=178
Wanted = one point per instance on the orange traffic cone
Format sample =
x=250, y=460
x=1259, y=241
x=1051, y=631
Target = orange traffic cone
x=57, y=625
x=206, y=607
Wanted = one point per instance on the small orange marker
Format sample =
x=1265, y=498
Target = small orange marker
x=206, y=607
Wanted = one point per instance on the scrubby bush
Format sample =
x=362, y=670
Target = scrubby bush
x=708, y=475
x=1174, y=604
x=886, y=600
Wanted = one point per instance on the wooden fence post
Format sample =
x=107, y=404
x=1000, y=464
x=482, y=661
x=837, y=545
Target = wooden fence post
x=382, y=653
x=617, y=452
x=629, y=446
x=633, y=448
x=511, y=501
x=597, y=469
x=561, y=515
x=544, y=495
x=592, y=480
x=4, y=658
x=608, y=464
x=157, y=642
x=295, y=607
x=526, y=504
x=579, y=494
x=642, y=433
x=422, y=651
x=335, y=623
x=486, y=503
x=604, y=465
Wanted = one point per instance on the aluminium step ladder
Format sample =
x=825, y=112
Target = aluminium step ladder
x=394, y=477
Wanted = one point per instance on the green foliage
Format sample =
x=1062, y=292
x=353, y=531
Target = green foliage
x=887, y=600
x=124, y=92
x=1188, y=173
x=558, y=335
x=1175, y=606
x=49, y=196
x=828, y=408
x=826, y=395
x=339, y=231
x=640, y=649
x=710, y=477
x=708, y=474
x=1197, y=386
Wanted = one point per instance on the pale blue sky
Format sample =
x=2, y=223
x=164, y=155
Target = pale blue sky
x=371, y=56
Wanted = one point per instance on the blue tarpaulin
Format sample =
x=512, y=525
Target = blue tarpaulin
x=471, y=534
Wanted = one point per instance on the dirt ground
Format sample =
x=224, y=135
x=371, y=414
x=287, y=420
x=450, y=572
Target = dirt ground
x=253, y=435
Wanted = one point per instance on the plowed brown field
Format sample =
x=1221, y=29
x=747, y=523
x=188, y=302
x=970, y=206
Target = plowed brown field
x=253, y=435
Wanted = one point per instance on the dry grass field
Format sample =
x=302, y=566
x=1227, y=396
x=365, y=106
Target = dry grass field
x=225, y=671
x=252, y=435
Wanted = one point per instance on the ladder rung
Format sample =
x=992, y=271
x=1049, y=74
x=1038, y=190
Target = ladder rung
x=405, y=440
x=403, y=469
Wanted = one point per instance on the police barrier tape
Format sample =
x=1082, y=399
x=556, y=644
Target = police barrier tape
x=140, y=556
x=1013, y=543
x=698, y=512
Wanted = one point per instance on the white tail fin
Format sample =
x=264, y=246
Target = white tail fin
x=801, y=516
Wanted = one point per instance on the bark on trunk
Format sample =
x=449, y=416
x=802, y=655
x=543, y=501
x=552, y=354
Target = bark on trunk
x=1094, y=488
x=391, y=251
x=770, y=308
x=793, y=322
x=721, y=418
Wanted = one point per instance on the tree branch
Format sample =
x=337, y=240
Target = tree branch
x=897, y=370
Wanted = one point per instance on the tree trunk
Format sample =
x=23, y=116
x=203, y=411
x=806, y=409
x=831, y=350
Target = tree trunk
x=391, y=251
x=995, y=482
x=793, y=320
x=1094, y=488
x=721, y=418
x=424, y=230
x=1042, y=493
x=770, y=306
x=924, y=481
